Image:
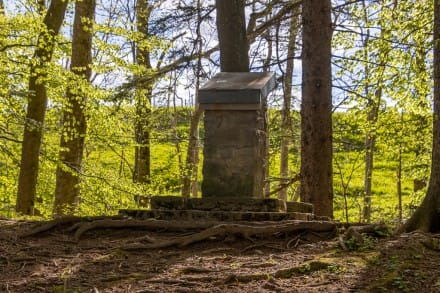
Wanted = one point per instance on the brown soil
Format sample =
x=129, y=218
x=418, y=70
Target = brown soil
x=53, y=262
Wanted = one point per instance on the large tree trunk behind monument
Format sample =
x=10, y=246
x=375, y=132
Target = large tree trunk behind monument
x=427, y=216
x=316, y=108
x=231, y=26
x=36, y=109
x=142, y=162
x=67, y=188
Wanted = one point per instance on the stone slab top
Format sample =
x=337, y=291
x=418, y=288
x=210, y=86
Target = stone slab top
x=237, y=88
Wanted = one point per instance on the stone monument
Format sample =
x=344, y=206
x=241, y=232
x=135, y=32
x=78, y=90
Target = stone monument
x=234, y=160
x=235, y=133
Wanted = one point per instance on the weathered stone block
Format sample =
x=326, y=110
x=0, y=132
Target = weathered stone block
x=234, y=154
x=168, y=203
x=299, y=207
x=217, y=204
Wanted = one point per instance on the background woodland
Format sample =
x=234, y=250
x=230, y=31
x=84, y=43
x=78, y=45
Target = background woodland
x=116, y=81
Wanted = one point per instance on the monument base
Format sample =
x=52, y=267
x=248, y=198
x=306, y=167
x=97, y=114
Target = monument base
x=222, y=209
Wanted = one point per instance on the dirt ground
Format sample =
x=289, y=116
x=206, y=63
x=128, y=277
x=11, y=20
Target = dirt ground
x=53, y=262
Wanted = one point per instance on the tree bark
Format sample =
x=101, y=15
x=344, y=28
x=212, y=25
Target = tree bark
x=189, y=182
x=286, y=123
x=67, y=189
x=370, y=142
x=316, y=108
x=142, y=168
x=36, y=108
x=266, y=68
x=427, y=215
x=231, y=26
x=399, y=179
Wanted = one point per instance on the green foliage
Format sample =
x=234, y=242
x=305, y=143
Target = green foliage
x=396, y=57
x=368, y=242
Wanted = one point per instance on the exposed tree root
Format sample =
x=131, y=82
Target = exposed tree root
x=207, y=229
x=150, y=224
x=68, y=220
x=287, y=273
x=354, y=234
x=245, y=231
x=195, y=270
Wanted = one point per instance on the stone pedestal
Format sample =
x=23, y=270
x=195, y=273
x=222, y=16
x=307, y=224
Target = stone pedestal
x=235, y=134
x=234, y=159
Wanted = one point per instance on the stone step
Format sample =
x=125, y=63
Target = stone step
x=200, y=215
x=299, y=207
x=243, y=204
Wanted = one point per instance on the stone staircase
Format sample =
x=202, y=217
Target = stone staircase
x=227, y=209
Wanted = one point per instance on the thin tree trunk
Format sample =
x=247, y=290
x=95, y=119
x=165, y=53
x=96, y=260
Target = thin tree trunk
x=286, y=123
x=174, y=117
x=190, y=183
x=266, y=68
x=67, y=189
x=370, y=142
x=427, y=216
x=316, y=108
x=142, y=172
x=373, y=108
x=399, y=182
x=36, y=108
x=121, y=164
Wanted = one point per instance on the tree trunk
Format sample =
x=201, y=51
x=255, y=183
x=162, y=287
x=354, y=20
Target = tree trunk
x=67, y=187
x=142, y=172
x=189, y=182
x=286, y=123
x=231, y=26
x=372, y=109
x=427, y=216
x=370, y=142
x=399, y=181
x=266, y=68
x=316, y=108
x=36, y=109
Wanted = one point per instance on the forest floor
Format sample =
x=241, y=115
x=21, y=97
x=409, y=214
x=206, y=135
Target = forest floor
x=52, y=262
